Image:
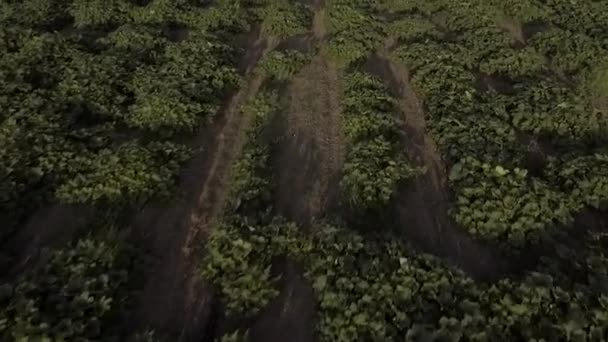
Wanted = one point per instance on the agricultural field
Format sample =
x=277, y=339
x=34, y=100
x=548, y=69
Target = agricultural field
x=284, y=170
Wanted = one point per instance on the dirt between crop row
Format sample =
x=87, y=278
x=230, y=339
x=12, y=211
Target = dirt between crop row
x=422, y=206
x=174, y=302
x=308, y=166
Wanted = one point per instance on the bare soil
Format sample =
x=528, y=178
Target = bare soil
x=174, y=302
x=308, y=162
x=312, y=152
x=422, y=206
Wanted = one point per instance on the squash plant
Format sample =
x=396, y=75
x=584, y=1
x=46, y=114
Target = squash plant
x=413, y=29
x=70, y=297
x=584, y=178
x=282, y=65
x=285, y=18
x=371, y=287
x=523, y=11
x=375, y=163
x=495, y=202
x=91, y=114
x=354, y=31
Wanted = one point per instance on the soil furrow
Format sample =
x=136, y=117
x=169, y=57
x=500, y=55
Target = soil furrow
x=174, y=302
x=308, y=164
x=422, y=207
x=311, y=156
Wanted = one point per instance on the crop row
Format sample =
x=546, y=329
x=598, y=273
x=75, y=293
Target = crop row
x=90, y=118
x=97, y=99
x=480, y=129
x=375, y=162
x=375, y=289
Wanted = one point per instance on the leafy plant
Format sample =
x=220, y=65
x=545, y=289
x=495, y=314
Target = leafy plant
x=282, y=65
x=375, y=163
x=355, y=32
x=500, y=203
x=413, y=29
x=69, y=297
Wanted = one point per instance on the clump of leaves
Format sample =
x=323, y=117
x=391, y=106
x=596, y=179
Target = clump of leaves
x=236, y=336
x=375, y=162
x=372, y=288
x=68, y=298
x=584, y=178
x=282, y=65
x=285, y=18
x=505, y=204
x=99, y=12
x=514, y=63
x=130, y=174
x=354, y=32
x=413, y=29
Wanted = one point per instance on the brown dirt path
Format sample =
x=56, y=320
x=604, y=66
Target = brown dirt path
x=308, y=165
x=422, y=207
x=311, y=156
x=174, y=302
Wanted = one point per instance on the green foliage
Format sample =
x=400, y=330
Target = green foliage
x=448, y=90
x=98, y=12
x=235, y=337
x=500, y=203
x=165, y=99
x=569, y=52
x=372, y=173
x=412, y=29
x=372, y=288
x=514, y=63
x=79, y=107
x=252, y=189
x=413, y=6
x=70, y=297
x=284, y=18
x=587, y=17
x=129, y=174
x=547, y=107
x=354, y=32
x=477, y=128
x=375, y=162
x=488, y=139
x=233, y=264
x=428, y=53
x=524, y=11
x=282, y=65
x=584, y=178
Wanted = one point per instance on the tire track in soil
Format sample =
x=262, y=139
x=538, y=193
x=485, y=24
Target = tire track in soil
x=422, y=207
x=174, y=302
x=308, y=163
